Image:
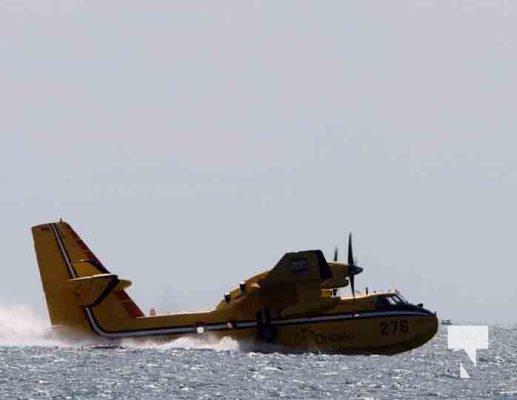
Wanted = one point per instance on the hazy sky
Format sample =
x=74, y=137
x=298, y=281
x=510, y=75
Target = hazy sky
x=191, y=144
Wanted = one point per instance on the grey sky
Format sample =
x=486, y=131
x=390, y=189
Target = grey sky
x=191, y=144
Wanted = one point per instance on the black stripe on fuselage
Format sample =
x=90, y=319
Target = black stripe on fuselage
x=238, y=325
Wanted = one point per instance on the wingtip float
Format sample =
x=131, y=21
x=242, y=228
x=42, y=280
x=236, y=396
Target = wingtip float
x=293, y=305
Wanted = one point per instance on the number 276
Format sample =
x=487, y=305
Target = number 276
x=393, y=327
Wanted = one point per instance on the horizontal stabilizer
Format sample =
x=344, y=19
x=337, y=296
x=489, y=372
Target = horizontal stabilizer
x=91, y=290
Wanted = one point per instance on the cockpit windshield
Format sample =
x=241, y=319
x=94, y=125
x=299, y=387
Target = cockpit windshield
x=394, y=299
x=402, y=298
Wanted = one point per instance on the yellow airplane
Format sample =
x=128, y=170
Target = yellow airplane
x=293, y=307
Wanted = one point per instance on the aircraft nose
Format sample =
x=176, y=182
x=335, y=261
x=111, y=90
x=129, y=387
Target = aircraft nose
x=430, y=327
x=434, y=324
x=421, y=308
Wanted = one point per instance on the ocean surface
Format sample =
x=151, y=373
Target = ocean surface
x=36, y=366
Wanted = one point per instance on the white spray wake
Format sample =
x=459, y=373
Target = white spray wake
x=20, y=326
x=186, y=342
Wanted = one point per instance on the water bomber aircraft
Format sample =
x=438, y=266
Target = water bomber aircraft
x=294, y=306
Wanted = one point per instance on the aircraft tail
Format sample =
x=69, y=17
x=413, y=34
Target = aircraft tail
x=81, y=294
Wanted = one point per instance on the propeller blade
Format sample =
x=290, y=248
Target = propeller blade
x=350, y=251
x=352, y=269
x=335, y=254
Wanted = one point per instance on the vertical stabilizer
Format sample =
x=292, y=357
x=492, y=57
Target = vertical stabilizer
x=55, y=274
x=77, y=286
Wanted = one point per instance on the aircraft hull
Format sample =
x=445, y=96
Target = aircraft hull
x=363, y=333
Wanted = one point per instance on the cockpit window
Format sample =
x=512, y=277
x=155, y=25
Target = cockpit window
x=391, y=300
x=401, y=298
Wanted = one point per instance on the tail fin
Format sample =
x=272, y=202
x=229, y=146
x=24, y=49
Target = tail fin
x=78, y=288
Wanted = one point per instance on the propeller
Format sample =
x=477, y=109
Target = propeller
x=353, y=269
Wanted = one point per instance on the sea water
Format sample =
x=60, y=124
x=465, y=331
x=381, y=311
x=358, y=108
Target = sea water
x=34, y=365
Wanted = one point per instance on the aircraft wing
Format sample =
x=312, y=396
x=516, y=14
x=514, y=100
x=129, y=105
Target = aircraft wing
x=295, y=281
x=302, y=266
